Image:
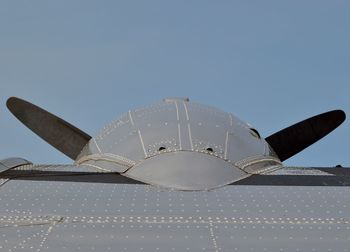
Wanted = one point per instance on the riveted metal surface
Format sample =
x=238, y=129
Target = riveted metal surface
x=158, y=127
x=176, y=125
x=300, y=171
x=121, y=138
x=57, y=168
x=176, y=145
x=64, y=216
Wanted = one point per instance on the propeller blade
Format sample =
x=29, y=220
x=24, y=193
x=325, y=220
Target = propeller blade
x=289, y=141
x=57, y=132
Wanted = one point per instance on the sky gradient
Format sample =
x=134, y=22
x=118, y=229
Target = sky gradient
x=271, y=63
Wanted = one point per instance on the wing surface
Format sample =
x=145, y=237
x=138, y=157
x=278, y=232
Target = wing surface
x=301, y=176
x=57, y=215
x=68, y=173
x=287, y=176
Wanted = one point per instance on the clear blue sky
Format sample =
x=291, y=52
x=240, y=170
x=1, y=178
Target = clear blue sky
x=271, y=63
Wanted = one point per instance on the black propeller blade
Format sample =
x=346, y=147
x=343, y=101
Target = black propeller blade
x=57, y=132
x=289, y=141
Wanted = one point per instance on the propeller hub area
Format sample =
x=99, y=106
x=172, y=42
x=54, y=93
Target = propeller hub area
x=186, y=170
x=180, y=145
x=174, y=143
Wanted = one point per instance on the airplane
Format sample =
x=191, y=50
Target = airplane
x=173, y=176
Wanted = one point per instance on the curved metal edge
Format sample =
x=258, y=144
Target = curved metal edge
x=10, y=163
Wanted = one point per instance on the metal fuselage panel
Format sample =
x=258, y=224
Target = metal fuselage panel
x=65, y=216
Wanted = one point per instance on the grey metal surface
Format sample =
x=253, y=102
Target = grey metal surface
x=57, y=168
x=174, y=145
x=300, y=171
x=180, y=145
x=10, y=163
x=64, y=216
x=175, y=171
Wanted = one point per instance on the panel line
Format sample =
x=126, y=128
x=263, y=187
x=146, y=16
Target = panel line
x=98, y=147
x=226, y=145
x=190, y=135
x=142, y=143
x=97, y=167
x=187, y=117
x=177, y=112
x=4, y=182
x=212, y=236
x=131, y=120
x=179, y=132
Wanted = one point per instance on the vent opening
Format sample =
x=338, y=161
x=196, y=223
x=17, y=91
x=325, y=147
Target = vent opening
x=210, y=149
x=255, y=133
